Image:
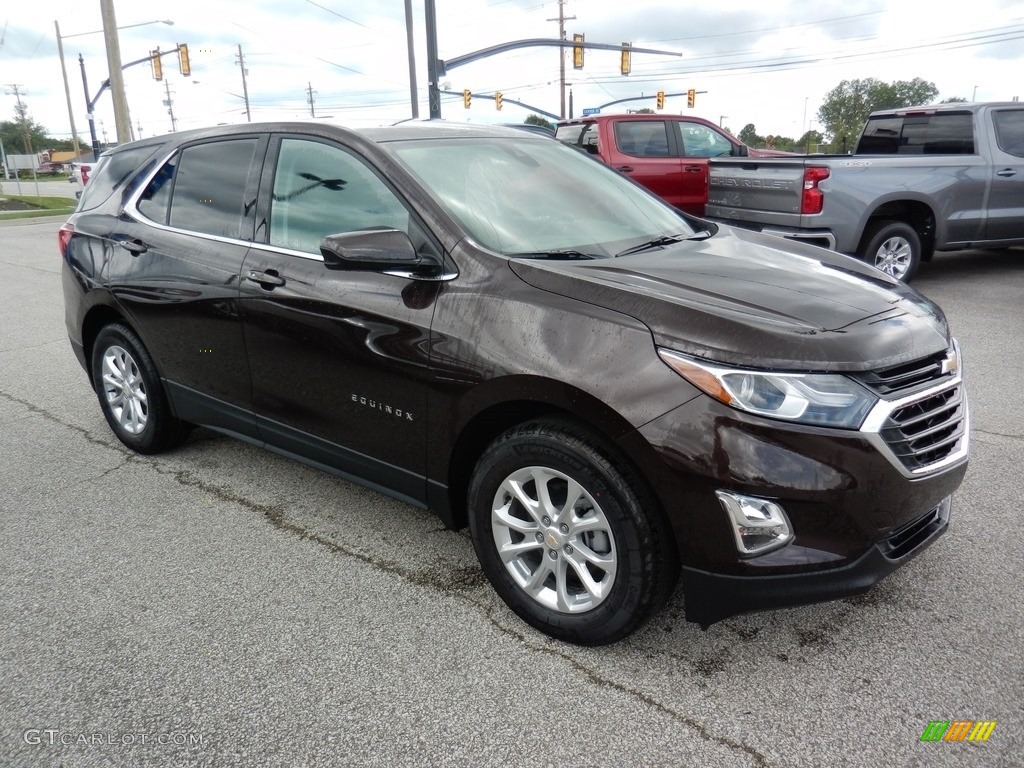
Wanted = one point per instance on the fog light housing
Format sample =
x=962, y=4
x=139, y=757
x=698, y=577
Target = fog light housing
x=758, y=525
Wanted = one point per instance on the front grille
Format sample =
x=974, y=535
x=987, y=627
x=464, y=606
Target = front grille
x=905, y=377
x=928, y=430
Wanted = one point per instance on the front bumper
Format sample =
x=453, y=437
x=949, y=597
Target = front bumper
x=712, y=597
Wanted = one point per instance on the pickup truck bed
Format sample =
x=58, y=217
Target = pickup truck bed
x=930, y=191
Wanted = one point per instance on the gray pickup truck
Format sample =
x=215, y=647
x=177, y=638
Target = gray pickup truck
x=922, y=179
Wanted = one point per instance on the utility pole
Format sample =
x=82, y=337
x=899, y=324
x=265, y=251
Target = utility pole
x=562, y=18
x=413, y=96
x=245, y=85
x=67, y=91
x=310, y=100
x=170, y=106
x=121, y=119
x=22, y=115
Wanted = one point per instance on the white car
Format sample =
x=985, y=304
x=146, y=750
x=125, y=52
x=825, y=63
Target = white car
x=80, y=175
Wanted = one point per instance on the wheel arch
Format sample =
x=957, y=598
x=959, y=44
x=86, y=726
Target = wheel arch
x=96, y=318
x=917, y=214
x=576, y=408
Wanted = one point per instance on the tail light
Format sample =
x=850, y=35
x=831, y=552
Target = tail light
x=86, y=170
x=813, y=198
x=64, y=237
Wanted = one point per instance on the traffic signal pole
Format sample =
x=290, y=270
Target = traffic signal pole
x=437, y=67
x=433, y=68
x=90, y=104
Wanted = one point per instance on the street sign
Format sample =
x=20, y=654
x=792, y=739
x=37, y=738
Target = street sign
x=591, y=111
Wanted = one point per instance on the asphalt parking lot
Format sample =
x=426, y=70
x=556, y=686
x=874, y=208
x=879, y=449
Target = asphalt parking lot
x=219, y=605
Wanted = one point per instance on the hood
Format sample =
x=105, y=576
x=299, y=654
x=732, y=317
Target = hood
x=754, y=300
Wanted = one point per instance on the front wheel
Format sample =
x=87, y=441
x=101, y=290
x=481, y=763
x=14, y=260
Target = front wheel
x=569, y=540
x=894, y=248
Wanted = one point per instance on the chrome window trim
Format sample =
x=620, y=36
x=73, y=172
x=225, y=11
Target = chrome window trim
x=131, y=209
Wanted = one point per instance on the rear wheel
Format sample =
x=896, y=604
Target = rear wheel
x=893, y=247
x=569, y=540
x=130, y=394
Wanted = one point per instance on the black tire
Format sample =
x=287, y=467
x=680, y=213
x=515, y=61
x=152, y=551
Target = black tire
x=614, y=520
x=130, y=393
x=893, y=247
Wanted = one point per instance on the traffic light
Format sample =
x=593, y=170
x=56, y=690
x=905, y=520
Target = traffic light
x=661, y=100
x=184, y=66
x=158, y=69
x=577, y=52
x=624, y=65
x=691, y=98
x=466, y=98
x=497, y=99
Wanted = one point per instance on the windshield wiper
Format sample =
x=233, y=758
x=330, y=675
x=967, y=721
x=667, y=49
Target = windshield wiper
x=568, y=254
x=665, y=240
x=655, y=243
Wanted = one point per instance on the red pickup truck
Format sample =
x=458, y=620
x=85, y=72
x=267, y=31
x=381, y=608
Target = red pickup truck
x=668, y=154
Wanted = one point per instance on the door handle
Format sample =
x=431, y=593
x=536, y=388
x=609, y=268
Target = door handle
x=693, y=168
x=134, y=247
x=267, y=278
x=1006, y=172
x=624, y=168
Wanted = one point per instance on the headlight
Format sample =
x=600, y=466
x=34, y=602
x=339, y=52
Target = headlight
x=821, y=399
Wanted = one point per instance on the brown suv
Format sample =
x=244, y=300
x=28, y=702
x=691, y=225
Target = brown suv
x=491, y=325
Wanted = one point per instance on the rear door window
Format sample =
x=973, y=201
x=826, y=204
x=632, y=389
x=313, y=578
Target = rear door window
x=209, y=189
x=642, y=138
x=1009, y=124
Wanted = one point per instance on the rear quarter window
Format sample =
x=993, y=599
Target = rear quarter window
x=582, y=136
x=111, y=173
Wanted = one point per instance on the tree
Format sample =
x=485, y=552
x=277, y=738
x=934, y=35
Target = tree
x=749, y=135
x=848, y=105
x=13, y=135
x=954, y=100
x=810, y=139
x=644, y=111
x=538, y=120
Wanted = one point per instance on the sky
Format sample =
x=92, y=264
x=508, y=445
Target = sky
x=751, y=61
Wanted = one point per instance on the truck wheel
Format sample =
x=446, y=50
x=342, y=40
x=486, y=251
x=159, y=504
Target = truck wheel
x=570, y=540
x=892, y=247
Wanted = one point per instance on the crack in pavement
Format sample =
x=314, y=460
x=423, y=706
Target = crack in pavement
x=34, y=346
x=596, y=678
x=455, y=583
x=29, y=266
x=990, y=433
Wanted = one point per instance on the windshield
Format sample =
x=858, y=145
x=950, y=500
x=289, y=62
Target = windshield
x=531, y=197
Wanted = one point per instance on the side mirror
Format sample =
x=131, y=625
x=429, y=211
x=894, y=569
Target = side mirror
x=375, y=250
x=742, y=151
